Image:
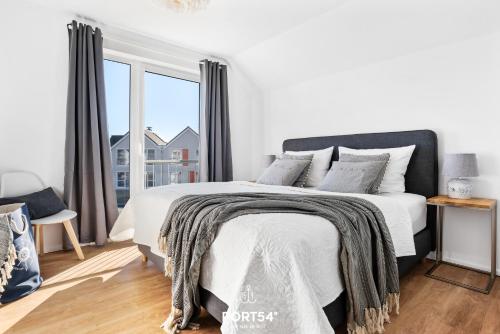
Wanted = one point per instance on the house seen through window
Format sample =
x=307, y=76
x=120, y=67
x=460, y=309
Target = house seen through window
x=171, y=139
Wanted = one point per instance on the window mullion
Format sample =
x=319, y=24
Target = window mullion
x=137, y=128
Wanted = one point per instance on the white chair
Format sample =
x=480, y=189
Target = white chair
x=20, y=183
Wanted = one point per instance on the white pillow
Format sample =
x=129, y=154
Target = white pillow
x=320, y=165
x=394, y=177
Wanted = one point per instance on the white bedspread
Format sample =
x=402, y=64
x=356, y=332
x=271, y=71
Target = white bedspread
x=274, y=271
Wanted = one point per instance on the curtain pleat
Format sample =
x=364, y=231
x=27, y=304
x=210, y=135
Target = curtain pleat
x=215, y=135
x=88, y=184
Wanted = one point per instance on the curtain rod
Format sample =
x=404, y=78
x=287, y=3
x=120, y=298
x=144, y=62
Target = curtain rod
x=70, y=25
x=217, y=59
x=214, y=61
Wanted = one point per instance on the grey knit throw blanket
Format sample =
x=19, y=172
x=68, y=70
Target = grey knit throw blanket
x=368, y=260
x=7, y=251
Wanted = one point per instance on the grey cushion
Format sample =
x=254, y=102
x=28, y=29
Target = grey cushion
x=351, y=177
x=301, y=181
x=283, y=172
x=362, y=158
x=40, y=204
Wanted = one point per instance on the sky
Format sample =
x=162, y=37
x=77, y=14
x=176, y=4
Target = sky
x=170, y=104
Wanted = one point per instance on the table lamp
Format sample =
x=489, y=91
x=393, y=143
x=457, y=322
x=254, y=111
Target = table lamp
x=458, y=167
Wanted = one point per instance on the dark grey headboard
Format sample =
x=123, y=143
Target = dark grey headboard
x=422, y=174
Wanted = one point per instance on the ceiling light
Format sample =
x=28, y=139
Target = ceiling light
x=183, y=6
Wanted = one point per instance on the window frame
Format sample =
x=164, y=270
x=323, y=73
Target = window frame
x=127, y=157
x=170, y=72
x=147, y=180
x=126, y=180
x=176, y=152
x=146, y=154
x=138, y=68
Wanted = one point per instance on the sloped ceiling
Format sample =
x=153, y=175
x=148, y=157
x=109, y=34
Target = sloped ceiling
x=225, y=27
x=361, y=32
x=282, y=42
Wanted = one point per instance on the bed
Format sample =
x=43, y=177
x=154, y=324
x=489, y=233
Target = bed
x=421, y=182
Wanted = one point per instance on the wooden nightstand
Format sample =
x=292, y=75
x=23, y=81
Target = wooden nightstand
x=474, y=203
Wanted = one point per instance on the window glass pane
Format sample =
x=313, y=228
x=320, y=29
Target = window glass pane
x=149, y=154
x=122, y=179
x=122, y=157
x=176, y=155
x=117, y=81
x=171, y=135
x=149, y=179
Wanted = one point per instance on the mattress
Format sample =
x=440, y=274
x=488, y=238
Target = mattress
x=416, y=205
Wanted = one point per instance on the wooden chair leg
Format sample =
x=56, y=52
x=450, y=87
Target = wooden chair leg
x=39, y=239
x=144, y=258
x=73, y=239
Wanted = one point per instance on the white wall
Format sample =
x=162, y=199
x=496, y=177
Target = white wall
x=245, y=105
x=453, y=89
x=33, y=67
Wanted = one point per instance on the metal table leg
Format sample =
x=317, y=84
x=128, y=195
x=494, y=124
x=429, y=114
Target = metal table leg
x=439, y=254
x=493, y=248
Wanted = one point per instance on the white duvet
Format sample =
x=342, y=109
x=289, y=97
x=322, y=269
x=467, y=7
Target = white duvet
x=275, y=271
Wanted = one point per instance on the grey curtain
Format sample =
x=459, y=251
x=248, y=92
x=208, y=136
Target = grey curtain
x=88, y=183
x=215, y=136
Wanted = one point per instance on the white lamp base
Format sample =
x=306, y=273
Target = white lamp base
x=459, y=188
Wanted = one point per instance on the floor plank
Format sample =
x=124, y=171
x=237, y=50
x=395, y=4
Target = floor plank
x=113, y=291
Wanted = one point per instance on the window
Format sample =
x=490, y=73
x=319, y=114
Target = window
x=122, y=180
x=149, y=154
x=122, y=157
x=152, y=110
x=117, y=81
x=149, y=179
x=176, y=154
x=172, y=105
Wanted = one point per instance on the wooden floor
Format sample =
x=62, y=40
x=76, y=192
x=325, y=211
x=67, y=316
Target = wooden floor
x=112, y=291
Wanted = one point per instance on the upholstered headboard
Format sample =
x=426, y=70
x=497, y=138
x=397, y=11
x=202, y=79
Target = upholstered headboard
x=422, y=174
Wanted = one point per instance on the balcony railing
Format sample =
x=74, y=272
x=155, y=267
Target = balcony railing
x=160, y=173
x=163, y=172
